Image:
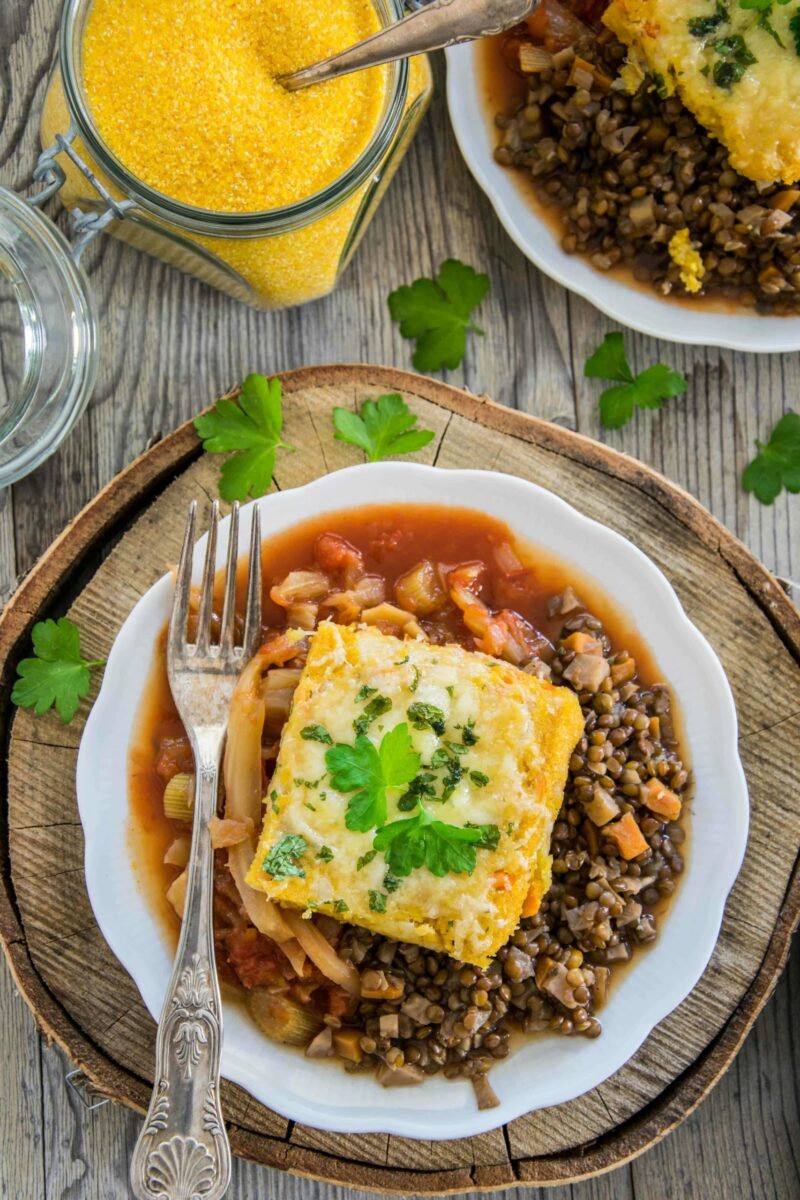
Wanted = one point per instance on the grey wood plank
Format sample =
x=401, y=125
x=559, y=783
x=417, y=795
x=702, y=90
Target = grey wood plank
x=169, y=344
x=22, y=1166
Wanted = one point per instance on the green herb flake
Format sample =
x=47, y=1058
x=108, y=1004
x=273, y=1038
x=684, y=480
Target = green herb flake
x=479, y=779
x=794, y=29
x=424, y=715
x=316, y=733
x=401, y=662
x=274, y=799
x=376, y=708
x=377, y=902
x=390, y=883
x=325, y=853
x=364, y=693
x=281, y=862
x=366, y=859
x=412, y=687
x=468, y=735
x=371, y=773
x=339, y=906
x=701, y=27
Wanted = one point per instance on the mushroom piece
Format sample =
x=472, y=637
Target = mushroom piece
x=587, y=672
x=405, y=1076
x=322, y=1045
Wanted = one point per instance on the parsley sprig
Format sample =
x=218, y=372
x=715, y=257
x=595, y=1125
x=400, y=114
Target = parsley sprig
x=251, y=426
x=437, y=313
x=418, y=841
x=371, y=772
x=777, y=463
x=281, y=861
x=58, y=676
x=646, y=390
x=385, y=426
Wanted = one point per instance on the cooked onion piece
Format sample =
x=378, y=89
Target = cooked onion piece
x=282, y=1019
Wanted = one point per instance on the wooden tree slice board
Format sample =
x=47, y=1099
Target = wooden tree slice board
x=117, y=547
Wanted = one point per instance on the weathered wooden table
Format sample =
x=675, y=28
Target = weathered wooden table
x=169, y=345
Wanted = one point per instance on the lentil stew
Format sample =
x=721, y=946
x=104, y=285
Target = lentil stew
x=628, y=175
x=616, y=843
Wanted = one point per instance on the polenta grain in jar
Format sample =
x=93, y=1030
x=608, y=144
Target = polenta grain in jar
x=261, y=192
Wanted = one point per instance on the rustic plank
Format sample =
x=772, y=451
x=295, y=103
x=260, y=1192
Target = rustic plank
x=22, y=1162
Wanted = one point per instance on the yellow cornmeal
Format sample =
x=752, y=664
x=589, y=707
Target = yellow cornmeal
x=185, y=95
x=687, y=259
x=180, y=92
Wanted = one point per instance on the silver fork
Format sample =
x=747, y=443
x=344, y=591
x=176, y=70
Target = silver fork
x=183, y=1148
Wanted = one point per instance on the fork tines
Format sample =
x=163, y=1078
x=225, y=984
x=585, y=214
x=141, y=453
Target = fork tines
x=203, y=647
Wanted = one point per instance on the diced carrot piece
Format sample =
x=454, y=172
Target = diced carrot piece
x=347, y=1043
x=583, y=643
x=659, y=799
x=501, y=881
x=628, y=836
x=623, y=672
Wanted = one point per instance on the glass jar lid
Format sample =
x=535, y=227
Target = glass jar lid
x=48, y=338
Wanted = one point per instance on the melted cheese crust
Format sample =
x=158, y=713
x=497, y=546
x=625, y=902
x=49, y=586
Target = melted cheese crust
x=526, y=731
x=758, y=118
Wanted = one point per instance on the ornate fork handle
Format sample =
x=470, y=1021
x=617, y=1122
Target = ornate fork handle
x=182, y=1152
x=441, y=23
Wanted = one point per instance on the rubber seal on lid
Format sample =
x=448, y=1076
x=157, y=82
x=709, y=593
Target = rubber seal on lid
x=48, y=338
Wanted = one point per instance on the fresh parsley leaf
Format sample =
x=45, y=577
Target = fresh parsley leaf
x=58, y=676
x=777, y=463
x=385, y=426
x=377, y=902
x=316, y=733
x=646, y=390
x=376, y=708
x=436, y=313
x=251, y=426
x=325, y=853
x=370, y=773
x=422, y=715
x=701, y=26
x=419, y=841
x=280, y=862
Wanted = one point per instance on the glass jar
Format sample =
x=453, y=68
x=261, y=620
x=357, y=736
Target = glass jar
x=269, y=259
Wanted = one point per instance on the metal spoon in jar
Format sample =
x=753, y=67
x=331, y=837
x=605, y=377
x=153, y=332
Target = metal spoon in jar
x=441, y=23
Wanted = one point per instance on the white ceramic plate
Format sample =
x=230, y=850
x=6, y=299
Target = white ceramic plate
x=633, y=306
x=545, y=1070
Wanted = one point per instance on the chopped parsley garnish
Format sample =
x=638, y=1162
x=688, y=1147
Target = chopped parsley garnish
x=420, y=840
x=794, y=26
x=390, y=883
x=490, y=836
x=468, y=735
x=421, y=785
x=366, y=859
x=370, y=773
x=478, y=778
x=412, y=687
x=735, y=59
x=457, y=748
x=280, y=863
x=452, y=778
x=274, y=798
x=377, y=902
x=325, y=853
x=422, y=715
x=316, y=733
x=701, y=26
x=364, y=693
x=401, y=662
x=340, y=906
x=376, y=708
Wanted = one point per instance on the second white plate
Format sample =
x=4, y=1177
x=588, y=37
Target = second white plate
x=630, y=305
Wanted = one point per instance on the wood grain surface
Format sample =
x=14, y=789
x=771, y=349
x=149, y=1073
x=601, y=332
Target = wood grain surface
x=168, y=345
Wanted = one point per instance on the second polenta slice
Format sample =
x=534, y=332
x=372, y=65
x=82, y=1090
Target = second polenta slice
x=415, y=790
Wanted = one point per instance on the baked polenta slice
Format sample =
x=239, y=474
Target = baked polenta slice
x=473, y=753
x=737, y=69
